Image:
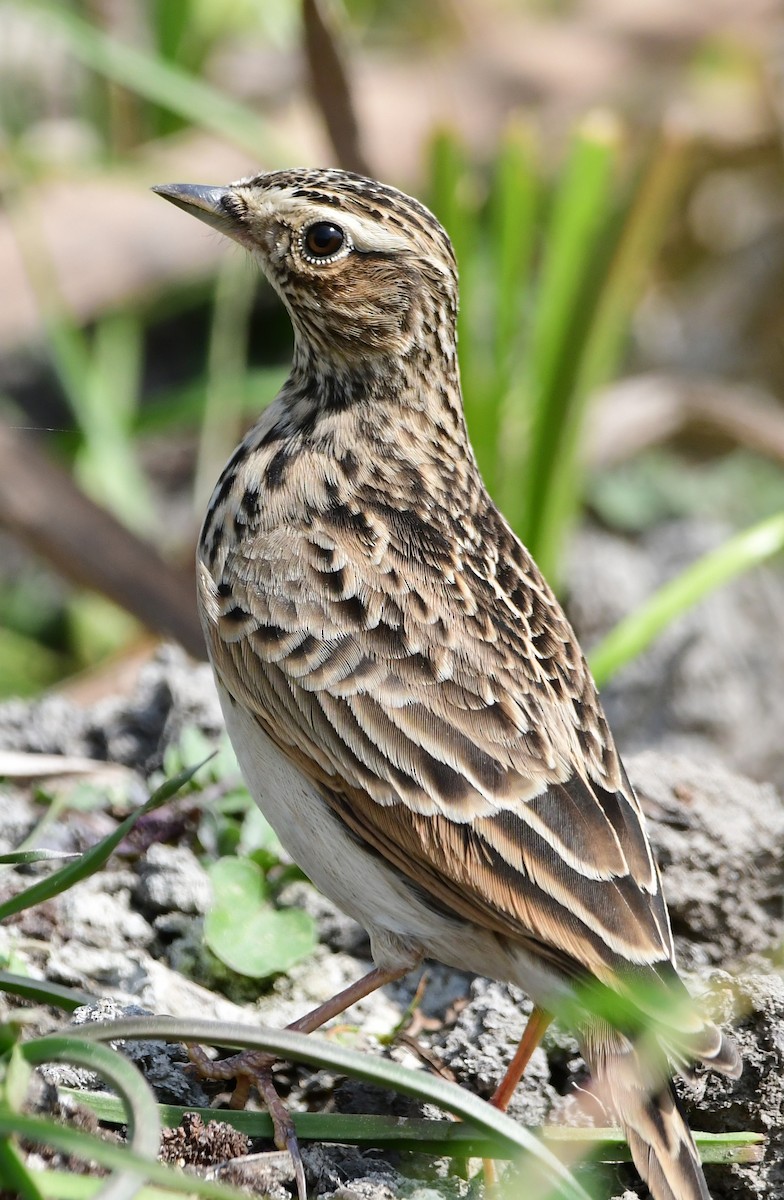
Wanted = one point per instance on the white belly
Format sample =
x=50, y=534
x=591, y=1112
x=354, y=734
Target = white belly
x=402, y=927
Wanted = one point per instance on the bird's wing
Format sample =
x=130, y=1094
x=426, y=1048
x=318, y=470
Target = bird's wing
x=446, y=712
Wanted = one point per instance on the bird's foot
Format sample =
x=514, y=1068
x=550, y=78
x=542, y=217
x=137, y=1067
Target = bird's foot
x=253, y=1068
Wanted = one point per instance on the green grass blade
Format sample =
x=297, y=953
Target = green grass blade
x=222, y=426
x=163, y=83
x=62, y=1185
x=608, y=328
x=425, y=1136
x=141, y=1111
x=314, y=1050
x=512, y=216
x=100, y=382
x=578, y=220
x=451, y=195
x=144, y=1129
x=18, y=1180
x=19, y=857
x=94, y=858
x=106, y=464
x=632, y=635
x=41, y=991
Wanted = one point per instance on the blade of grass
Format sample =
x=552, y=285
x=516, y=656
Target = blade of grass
x=632, y=635
x=17, y=1179
x=106, y=464
x=100, y=383
x=578, y=219
x=62, y=1185
x=330, y=83
x=94, y=858
x=423, y=1135
x=513, y=209
x=451, y=195
x=639, y=240
x=94, y=1149
x=513, y=203
x=310, y=1049
x=18, y=857
x=144, y=1129
x=141, y=1112
x=43, y=992
x=163, y=83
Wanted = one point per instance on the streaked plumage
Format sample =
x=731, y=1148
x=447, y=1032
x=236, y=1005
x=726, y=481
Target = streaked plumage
x=408, y=703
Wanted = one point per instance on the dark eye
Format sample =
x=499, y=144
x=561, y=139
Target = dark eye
x=323, y=239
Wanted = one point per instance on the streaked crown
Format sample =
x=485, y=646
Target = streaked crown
x=361, y=267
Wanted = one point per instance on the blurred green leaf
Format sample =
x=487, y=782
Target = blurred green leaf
x=163, y=83
x=22, y=857
x=26, y=665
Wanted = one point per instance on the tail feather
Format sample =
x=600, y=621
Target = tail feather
x=633, y=1079
x=663, y=1148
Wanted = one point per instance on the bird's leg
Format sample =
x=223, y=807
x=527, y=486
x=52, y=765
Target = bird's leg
x=254, y=1067
x=532, y=1035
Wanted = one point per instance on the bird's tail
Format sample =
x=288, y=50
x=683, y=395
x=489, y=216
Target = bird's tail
x=633, y=1079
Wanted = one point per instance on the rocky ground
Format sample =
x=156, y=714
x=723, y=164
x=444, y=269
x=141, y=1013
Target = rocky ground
x=131, y=935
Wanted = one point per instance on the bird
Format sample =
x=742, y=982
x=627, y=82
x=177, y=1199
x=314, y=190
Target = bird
x=408, y=703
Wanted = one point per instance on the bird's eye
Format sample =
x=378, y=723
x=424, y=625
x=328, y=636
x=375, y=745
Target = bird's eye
x=323, y=239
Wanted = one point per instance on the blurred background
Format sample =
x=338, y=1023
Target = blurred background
x=612, y=175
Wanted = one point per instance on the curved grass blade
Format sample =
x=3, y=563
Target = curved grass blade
x=144, y=1129
x=18, y=1179
x=317, y=1051
x=574, y=236
x=22, y=857
x=636, y=632
x=109, y=1154
x=43, y=992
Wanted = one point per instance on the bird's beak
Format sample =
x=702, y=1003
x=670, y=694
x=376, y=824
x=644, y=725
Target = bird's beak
x=202, y=201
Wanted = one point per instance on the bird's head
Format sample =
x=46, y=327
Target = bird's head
x=364, y=270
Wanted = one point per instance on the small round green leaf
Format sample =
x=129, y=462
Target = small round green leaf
x=245, y=931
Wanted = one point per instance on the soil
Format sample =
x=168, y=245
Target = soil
x=131, y=935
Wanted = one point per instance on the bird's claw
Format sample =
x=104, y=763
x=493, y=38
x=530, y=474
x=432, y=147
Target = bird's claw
x=254, y=1069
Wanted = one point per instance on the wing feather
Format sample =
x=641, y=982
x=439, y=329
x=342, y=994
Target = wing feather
x=449, y=718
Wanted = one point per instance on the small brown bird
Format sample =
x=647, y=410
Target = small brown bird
x=407, y=701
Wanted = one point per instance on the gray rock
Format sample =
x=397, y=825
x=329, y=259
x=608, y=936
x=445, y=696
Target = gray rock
x=171, y=694
x=163, y=1064
x=719, y=840
x=755, y=1101
x=481, y=1044
x=97, y=912
x=17, y=817
x=712, y=680
x=172, y=880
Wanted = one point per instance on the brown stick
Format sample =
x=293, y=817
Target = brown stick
x=330, y=85
x=43, y=508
